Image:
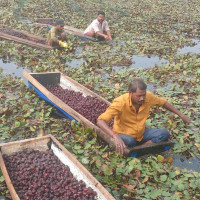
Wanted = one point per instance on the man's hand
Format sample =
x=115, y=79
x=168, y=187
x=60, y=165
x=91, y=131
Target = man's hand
x=171, y=108
x=110, y=38
x=185, y=118
x=63, y=34
x=119, y=143
x=106, y=37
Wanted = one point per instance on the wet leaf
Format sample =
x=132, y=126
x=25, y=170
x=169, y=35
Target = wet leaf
x=160, y=158
x=131, y=187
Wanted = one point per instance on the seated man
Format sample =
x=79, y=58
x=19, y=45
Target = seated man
x=130, y=112
x=56, y=33
x=99, y=28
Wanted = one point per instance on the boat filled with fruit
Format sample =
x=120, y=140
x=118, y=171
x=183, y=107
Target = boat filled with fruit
x=23, y=38
x=41, y=168
x=81, y=104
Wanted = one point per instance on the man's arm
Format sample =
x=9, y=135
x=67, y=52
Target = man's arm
x=104, y=126
x=171, y=108
x=119, y=143
x=53, y=35
x=102, y=35
x=109, y=34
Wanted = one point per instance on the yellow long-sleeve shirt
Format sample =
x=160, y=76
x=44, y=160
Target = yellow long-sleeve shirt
x=126, y=120
x=54, y=34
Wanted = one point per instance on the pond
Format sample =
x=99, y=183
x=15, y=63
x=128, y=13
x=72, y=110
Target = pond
x=147, y=62
x=191, y=49
x=75, y=63
x=192, y=163
x=12, y=69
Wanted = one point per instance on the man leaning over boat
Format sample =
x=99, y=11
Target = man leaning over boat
x=57, y=35
x=130, y=112
x=99, y=28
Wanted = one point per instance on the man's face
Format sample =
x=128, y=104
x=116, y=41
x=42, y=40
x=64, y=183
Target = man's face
x=138, y=97
x=100, y=18
x=59, y=27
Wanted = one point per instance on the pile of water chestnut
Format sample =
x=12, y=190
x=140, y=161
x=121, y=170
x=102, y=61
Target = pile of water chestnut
x=40, y=175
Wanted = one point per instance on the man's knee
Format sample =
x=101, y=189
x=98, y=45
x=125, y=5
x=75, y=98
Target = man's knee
x=162, y=135
x=128, y=140
x=131, y=142
x=165, y=133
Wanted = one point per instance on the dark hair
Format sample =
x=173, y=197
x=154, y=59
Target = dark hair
x=137, y=83
x=101, y=13
x=60, y=22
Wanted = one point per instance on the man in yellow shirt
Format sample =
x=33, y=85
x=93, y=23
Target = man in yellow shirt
x=130, y=112
x=56, y=33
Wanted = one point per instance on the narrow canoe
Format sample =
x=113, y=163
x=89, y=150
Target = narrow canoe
x=39, y=82
x=32, y=40
x=42, y=144
x=71, y=30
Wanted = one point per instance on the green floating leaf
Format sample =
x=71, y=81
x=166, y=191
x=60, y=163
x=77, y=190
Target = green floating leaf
x=2, y=179
x=107, y=170
x=85, y=160
x=163, y=178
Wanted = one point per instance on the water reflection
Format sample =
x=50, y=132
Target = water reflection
x=118, y=68
x=191, y=49
x=147, y=62
x=12, y=69
x=75, y=63
x=151, y=87
x=79, y=51
x=192, y=163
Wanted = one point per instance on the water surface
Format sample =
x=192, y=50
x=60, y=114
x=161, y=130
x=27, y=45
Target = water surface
x=191, y=49
x=12, y=69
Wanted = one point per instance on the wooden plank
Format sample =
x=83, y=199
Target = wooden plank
x=36, y=143
x=30, y=35
x=83, y=169
x=24, y=41
x=48, y=79
x=68, y=29
x=22, y=32
x=8, y=181
x=153, y=145
x=68, y=109
x=33, y=143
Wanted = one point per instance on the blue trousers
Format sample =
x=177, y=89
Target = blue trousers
x=155, y=135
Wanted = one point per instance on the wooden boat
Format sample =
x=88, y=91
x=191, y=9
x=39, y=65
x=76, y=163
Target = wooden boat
x=71, y=30
x=42, y=144
x=39, y=82
x=31, y=41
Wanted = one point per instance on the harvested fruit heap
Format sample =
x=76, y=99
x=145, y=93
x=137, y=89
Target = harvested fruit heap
x=40, y=175
x=20, y=35
x=89, y=107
